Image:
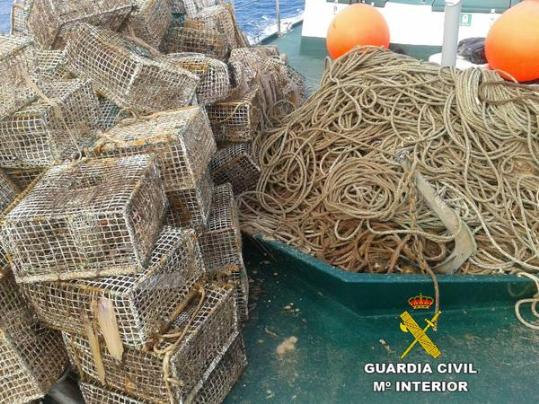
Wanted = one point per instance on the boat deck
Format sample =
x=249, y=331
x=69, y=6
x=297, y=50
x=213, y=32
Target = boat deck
x=334, y=343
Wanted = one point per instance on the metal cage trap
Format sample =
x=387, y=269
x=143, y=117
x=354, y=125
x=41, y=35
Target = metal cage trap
x=236, y=119
x=235, y=164
x=214, y=84
x=51, y=20
x=221, y=246
x=88, y=218
x=182, y=139
x=128, y=73
x=141, y=302
x=16, y=64
x=32, y=357
x=51, y=129
x=172, y=366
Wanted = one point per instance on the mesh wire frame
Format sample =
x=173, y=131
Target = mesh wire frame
x=20, y=10
x=219, y=18
x=32, y=357
x=182, y=139
x=110, y=114
x=221, y=246
x=127, y=73
x=197, y=40
x=50, y=20
x=141, y=302
x=236, y=119
x=140, y=374
x=93, y=217
x=49, y=131
x=51, y=65
x=192, y=7
x=149, y=21
x=16, y=63
x=23, y=177
x=217, y=382
x=190, y=207
x=8, y=190
x=214, y=84
x=235, y=164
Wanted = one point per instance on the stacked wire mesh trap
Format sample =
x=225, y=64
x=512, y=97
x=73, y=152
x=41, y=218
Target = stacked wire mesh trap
x=50, y=20
x=126, y=72
x=32, y=357
x=117, y=250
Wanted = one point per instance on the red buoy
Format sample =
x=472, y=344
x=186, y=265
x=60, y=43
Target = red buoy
x=512, y=45
x=358, y=24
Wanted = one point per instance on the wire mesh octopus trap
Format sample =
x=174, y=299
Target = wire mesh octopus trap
x=20, y=10
x=87, y=218
x=192, y=7
x=32, y=357
x=190, y=207
x=195, y=39
x=141, y=302
x=213, y=388
x=16, y=63
x=50, y=20
x=149, y=21
x=182, y=139
x=219, y=18
x=51, y=65
x=127, y=73
x=221, y=246
x=214, y=84
x=236, y=165
x=236, y=119
x=174, y=364
x=51, y=129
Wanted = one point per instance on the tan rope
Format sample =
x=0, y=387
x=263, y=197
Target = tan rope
x=330, y=184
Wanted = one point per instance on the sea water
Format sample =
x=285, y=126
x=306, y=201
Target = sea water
x=256, y=18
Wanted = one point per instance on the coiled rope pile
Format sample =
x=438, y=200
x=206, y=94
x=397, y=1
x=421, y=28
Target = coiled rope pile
x=332, y=187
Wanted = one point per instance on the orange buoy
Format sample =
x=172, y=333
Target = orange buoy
x=512, y=45
x=358, y=24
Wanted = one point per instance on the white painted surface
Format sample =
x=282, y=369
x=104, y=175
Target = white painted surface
x=408, y=24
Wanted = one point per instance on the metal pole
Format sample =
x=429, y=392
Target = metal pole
x=451, y=32
x=278, y=12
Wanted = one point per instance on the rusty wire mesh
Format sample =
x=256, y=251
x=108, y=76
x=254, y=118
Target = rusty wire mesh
x=50, y=20
x=16, y=63
x=219, y=18
x=32, y=357
x=140, y=374
x=192, y=7
x=141, y=302
x=50, y=130
x=149, y=21
x=215, y=385
x=221, y=246
x=51, y=65
x=182, y=139
x=127, y=73
x=190, y=207
x=87, y=218
x=214, y=84
x=20, y=11
x=196, y=40
x=220, y=380
x=110, y=114
x=23, y=177
x=236, y=165
x=236, y=119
